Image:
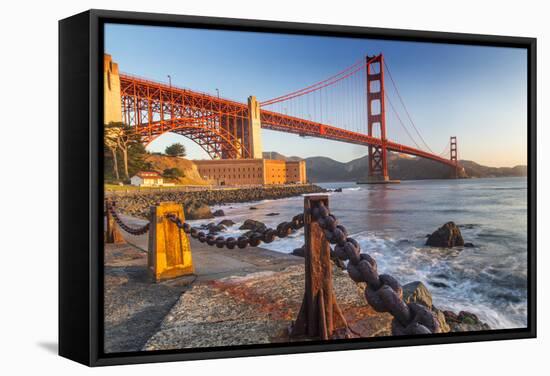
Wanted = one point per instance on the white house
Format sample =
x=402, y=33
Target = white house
x=147, y=178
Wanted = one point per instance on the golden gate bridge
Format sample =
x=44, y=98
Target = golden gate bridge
x=349, y=106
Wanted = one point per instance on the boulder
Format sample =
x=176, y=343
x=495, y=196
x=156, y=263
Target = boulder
x=417, y=292
x=218, y=213
x=253, y=208
x=226, y=223
x=451, y=316
x=338, y=190
x=253, y=225
x=437, y=284
x=440, y=316
x=215, y=228
x=464, y=322
x=197, y=210
x=469, y=245
x=468, y=317
x=272, y=214
x=447, y=236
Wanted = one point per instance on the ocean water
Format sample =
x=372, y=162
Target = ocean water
x=391, y=223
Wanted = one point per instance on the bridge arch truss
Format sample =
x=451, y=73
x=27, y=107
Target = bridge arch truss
x=153, y=109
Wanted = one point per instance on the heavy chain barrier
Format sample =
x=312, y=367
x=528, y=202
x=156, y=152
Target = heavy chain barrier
x=267, y=236
x=131, y=230
x=383, y=292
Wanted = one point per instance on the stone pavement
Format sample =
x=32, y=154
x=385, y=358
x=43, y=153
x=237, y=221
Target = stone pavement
x=135, y=306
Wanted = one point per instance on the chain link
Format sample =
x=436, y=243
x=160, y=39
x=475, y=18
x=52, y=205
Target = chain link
x=131, y=230
x=383, y=292
x=282, y=230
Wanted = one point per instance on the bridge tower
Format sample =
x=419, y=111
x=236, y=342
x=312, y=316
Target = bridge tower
x=454, y=154
x=112, y=111
x=254, y=128
x=378, y=162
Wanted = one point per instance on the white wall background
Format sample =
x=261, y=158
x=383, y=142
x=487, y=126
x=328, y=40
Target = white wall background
x=28, y=248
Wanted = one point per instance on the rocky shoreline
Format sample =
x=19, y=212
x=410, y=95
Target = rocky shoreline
x=237, y=297
x=259, y=308
x=197, y=203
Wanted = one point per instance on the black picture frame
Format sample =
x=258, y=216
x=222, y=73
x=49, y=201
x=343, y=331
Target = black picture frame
x=81, y=189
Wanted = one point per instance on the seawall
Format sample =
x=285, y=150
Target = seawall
x=138, y=203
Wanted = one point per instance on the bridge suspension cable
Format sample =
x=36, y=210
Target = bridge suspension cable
x=405, y=107
x=401, y=121
x=318, y=85
x=445, y=151
x=341, y=101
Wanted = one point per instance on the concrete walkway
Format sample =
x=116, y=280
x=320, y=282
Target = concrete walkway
x=135, y=307
x=213, y=263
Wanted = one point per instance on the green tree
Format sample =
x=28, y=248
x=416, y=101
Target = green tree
x=137, y=159
x=125, y=138
x=109, y=139
x=175, y=150
x=172, y=173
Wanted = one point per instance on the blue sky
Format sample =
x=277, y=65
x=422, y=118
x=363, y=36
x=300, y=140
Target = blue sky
x=478, y=94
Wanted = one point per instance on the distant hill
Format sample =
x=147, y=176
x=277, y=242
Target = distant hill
x=479, y=171
x=402, y=167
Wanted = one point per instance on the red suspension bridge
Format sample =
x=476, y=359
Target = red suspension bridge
x=349, y=106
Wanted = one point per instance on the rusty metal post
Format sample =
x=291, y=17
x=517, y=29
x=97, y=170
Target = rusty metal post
x=319, y=314
x=112, y=231
x=169, y=249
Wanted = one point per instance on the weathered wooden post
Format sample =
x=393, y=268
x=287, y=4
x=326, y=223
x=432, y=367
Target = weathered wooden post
x=169, y=250
x=112, y=232
x=320, y=314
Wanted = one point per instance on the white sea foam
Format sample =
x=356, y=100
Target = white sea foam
x=390, y=224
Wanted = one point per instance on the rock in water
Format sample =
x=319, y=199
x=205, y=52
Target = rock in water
x=218, y=213
x=464, y=322
x=215, y=228
x=447, y=236
x=226, y=222
x=197, y=210
x=440, y=317
x=416, y=292
x=253, y=225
